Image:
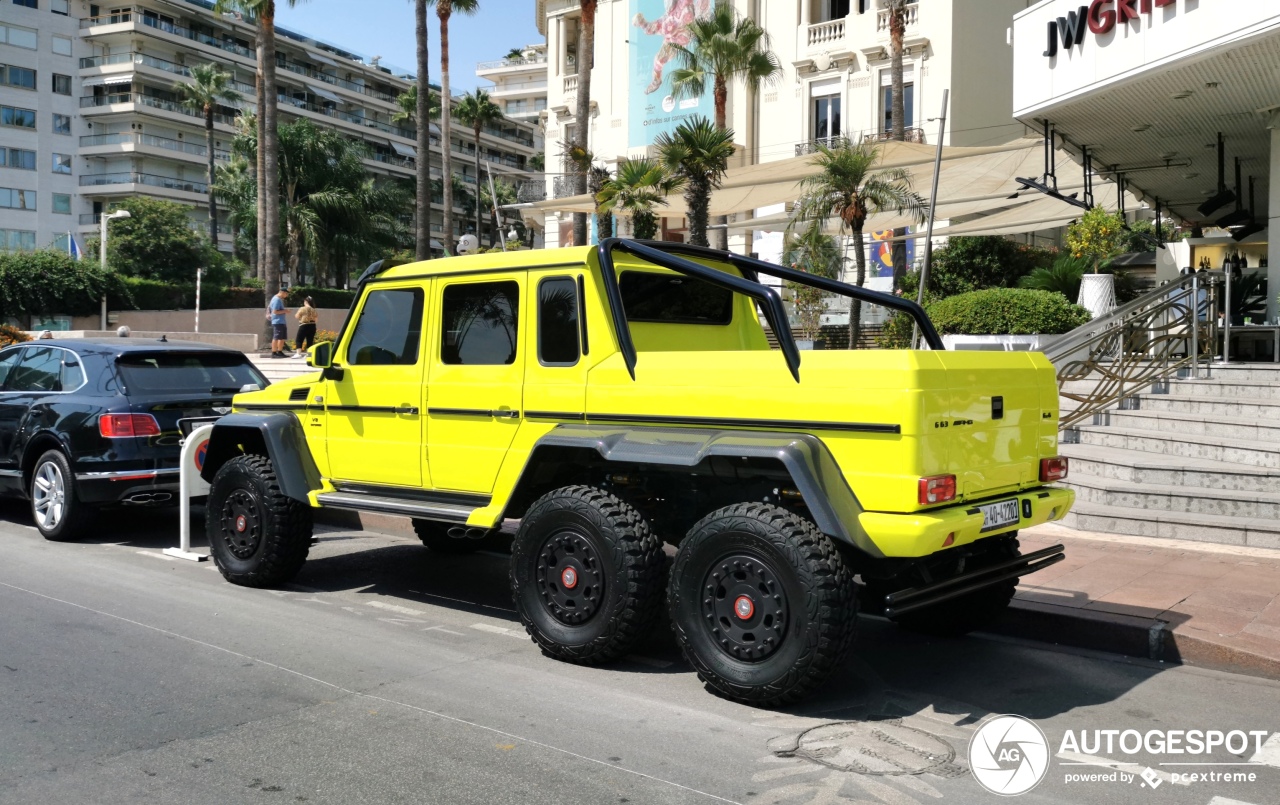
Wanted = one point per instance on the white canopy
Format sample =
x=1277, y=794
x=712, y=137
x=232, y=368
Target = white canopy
x=324, y=93
x=107, y=80
x=404, y=150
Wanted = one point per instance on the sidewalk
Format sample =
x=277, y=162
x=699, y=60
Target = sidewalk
x=1216, y=606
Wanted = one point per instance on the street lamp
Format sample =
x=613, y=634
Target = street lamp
x=102, y=254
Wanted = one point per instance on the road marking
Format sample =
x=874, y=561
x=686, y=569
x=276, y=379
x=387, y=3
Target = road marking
x=442, y=629
x=486, y=627
x=1080, y=759
x=1225, y=801
x=397, y=608
x=358, y=694
x=462, y=601
x=649, y=661
x=398, y=621
x=156, y=556
x=354, y=611
x=1269, y=754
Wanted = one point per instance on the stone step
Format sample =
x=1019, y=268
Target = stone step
x=1176, y=498
x=1244, y=408
x=1207, y=425
x=1138, y=467
x=1242, y=372
x=1173, y=525
x=1173, y=443
x=1248, y=389
x=277, y=369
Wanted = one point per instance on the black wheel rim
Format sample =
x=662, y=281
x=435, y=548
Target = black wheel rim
x=241, y=524
x=744, y=607
x=569, y=578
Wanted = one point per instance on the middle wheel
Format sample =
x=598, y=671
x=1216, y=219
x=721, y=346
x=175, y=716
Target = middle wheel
x=586, y=575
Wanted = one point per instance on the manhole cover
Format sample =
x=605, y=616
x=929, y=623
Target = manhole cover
x=886, y=748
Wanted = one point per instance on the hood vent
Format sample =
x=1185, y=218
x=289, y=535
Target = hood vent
x=299, y=394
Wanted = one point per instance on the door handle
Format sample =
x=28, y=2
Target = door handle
x=507, y=413
x=406, y=409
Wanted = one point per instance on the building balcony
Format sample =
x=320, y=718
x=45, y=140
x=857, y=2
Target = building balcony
x=334, y=81
x=131, y=182
x=144, y=60
x=564, y=186
x=106, y=144
x=882, y=19
x=811, y=146
x=133, y=19
x=909, y=135
x=825, y=34
x=121, y=102
x=288, y=101
x=531, y=190
x=503, y=64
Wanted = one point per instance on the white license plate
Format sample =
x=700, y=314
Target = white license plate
x=999, y=515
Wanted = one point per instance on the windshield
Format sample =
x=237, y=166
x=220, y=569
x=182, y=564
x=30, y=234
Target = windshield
x=181, y=372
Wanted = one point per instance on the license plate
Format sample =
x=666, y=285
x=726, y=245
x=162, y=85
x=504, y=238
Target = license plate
x=190, y=424
x=999, y=515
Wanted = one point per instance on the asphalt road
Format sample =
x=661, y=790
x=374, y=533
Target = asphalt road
x=387, y=674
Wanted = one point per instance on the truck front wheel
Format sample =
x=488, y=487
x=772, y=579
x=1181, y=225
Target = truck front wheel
x=258, y=536
x=586, y=575
x=762, y=604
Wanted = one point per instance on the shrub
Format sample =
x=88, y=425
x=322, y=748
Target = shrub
x=12, y=335
x=326, y=335
x=323, y=297
x=149, y=294
x=51, y=282
x=1007, y=311
x=970, y=263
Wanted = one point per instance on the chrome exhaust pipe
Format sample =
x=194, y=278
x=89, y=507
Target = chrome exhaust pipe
x=147, y=498
x=465, y=532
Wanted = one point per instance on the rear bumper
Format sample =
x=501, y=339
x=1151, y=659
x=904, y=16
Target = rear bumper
x=137, y=487
x=924, y=533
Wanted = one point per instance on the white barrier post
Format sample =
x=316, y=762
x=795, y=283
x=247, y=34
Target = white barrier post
x=190, y=484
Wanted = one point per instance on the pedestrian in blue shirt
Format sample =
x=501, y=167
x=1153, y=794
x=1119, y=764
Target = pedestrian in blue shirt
x=279, y=331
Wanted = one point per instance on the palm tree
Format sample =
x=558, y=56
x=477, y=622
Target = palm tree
x=244, y=146
x=422, y=111
x=515, y=54
x=211, y=87
x=476, y=110
x=897, y=32
x=582, y=109
x=723, y=47
x=445, y=10
x=236, y=186
x=813, y=252
x=264, y=13
x=503, y=193
x=639, y=186
x=582, y=162
x=698, y=152
x=847, y=187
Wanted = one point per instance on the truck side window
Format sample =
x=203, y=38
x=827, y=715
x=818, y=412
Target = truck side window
x=389, y=329
x=480, y=323
x=558, y=321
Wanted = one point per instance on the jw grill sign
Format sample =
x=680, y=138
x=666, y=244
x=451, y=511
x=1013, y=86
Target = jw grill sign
x=1099, y=17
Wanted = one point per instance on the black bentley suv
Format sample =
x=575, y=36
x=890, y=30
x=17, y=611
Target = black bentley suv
x=91, y=423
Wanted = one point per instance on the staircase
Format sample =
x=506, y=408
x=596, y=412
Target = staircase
x=277, y=369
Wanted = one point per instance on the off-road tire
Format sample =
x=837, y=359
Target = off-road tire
x=435, y=536
x=632, y=567
x=959, y=616
x=276, y=534
x=75, y=514
x=817, y=591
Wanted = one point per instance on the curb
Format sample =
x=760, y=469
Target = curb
x=1132, y=636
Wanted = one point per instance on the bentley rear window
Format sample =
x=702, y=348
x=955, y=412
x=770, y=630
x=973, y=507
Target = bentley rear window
x=203, y=372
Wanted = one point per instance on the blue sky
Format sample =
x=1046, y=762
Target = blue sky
x=385, y=28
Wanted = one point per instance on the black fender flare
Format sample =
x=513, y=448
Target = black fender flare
x=832, y=504
x=276, y=434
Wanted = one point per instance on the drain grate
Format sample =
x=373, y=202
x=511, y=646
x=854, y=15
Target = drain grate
x=880, y=748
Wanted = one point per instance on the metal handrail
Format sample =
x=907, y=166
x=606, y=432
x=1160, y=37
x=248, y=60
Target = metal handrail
x=1141, y=343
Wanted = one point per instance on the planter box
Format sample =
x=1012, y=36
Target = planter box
x=1000, y=343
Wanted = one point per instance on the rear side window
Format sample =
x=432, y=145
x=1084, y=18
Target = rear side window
x=187, y=372
x=558, y=321
x=480, y=323
x=39, y=370
x=674, y=299
x=389, y=329
x=8, y=360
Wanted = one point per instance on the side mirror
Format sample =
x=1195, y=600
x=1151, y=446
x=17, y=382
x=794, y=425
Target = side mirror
x=321, y=356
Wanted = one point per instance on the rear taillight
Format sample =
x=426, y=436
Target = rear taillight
x=118, y=426
x=1053, y=469
x=937, y=489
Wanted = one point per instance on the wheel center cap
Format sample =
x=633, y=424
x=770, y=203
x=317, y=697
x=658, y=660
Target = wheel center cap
x=569, y=578
x=241, y=524
x=744, y=607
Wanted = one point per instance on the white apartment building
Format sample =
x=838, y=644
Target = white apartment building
x=104, y=122
x=834, y=83
x=519, y=83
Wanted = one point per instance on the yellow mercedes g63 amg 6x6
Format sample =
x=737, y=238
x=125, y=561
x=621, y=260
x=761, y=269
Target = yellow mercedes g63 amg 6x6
x=617, y=398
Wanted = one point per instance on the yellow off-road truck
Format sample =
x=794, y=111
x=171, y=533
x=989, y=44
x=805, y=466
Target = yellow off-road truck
x=622, y=398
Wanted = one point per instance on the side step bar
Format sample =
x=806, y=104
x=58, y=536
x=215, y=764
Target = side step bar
x=905, y=601
x=442, y=512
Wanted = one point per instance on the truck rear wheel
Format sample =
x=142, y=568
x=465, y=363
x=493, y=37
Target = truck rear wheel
x=967, y=613
x=586, y=575
x=762, y=604
x=258, y=536
x=435, y=536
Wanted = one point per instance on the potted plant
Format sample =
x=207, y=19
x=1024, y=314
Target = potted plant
x=1098, y=235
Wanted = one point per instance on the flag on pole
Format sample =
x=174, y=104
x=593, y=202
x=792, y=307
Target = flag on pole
x=74, y=248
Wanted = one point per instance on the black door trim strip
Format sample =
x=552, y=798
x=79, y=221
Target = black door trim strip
x=460, y=412
x=554, y=415
x=406, y=493
x=273, y=407
x=717, y=422
x=373, y=409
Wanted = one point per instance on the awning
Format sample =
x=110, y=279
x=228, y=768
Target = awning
x=324, y=93
x=322, y=59
x=107, y=80
x=404, y=150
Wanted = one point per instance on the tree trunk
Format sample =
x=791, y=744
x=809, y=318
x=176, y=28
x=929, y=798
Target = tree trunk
x=476, y=129
x=897, y=30
x=444, y=9
x=855, y=305
x=422, y=229
x=269, y=145
x=213, y=201
x=721, y=96
x=696, y=197
x=259, y=264
x=582, y=111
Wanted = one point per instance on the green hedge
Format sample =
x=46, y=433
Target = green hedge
x=49, y=282
x=323, y=297
x=156, y=295
x=1006, y=311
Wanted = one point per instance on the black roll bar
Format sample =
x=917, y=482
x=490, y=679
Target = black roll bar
x=768, y=298
x=751, y=267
